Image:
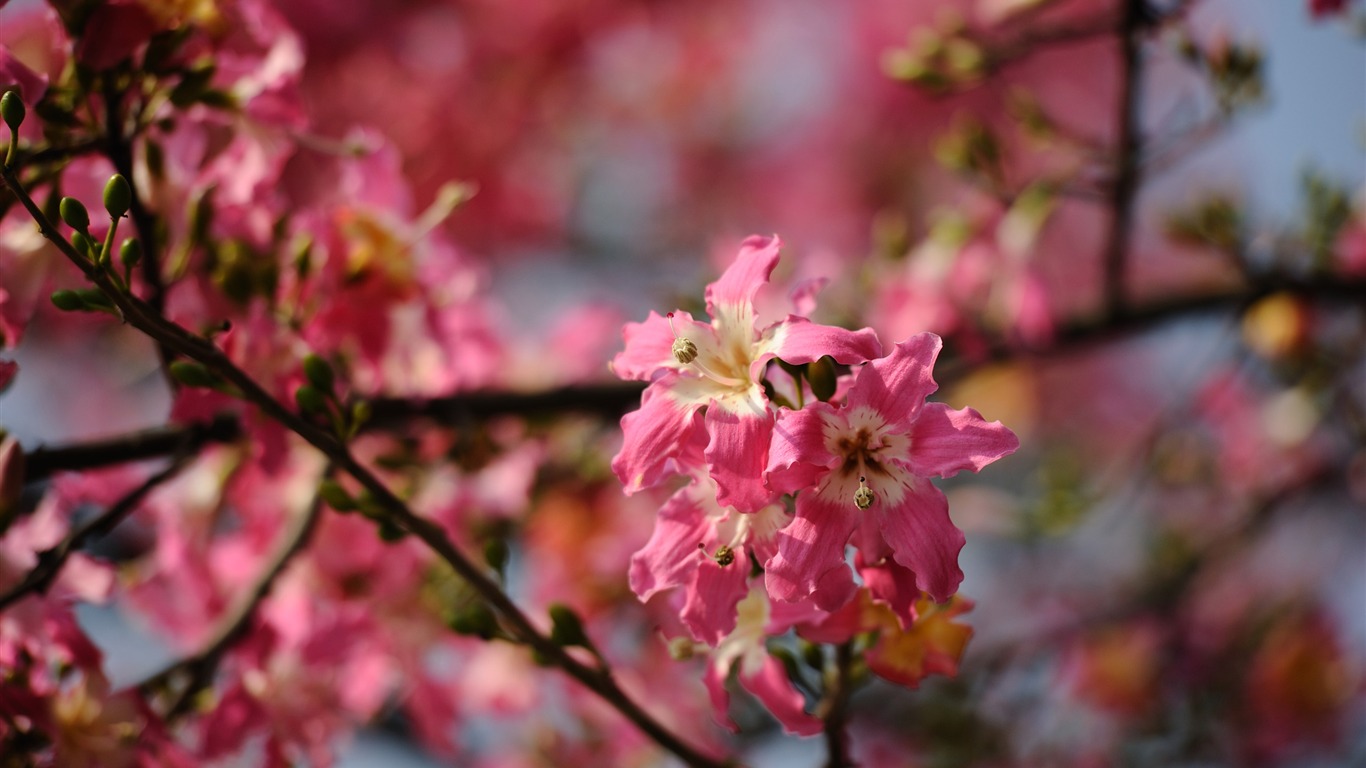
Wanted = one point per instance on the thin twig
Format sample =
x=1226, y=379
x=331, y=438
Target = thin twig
x=42, y=462
x=836, y=708
x=40, y=578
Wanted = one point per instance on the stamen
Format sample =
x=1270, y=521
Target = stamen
x=684, y=350
x=724, y=556
x=863, y=497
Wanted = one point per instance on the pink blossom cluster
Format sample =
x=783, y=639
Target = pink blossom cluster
x=857, y=454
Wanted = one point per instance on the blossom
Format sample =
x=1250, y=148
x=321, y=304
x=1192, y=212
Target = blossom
x=709, y=377
x=864, y=470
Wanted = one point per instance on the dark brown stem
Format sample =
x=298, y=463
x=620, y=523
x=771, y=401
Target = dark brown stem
x=836, y=708
x=40, y=578
x=200, y=667
x=143, y=317
x=1127, y=176
x=41, y=463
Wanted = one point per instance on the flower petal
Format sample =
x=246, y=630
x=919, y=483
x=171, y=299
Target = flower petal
x=896, y=386
x=652, y=435
x=810, y=560
x=945, y=442
x=710, y=608
x=738, y=452
x=922, y=536
x=715, y=679
x=797, y=340
x=649, y=345
x=771, y=685
x=798, y=457
x=670, y=557
x=733, y=293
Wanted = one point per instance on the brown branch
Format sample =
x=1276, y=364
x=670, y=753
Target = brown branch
x=233, y=626
x=40, y=578
x=41, y=463
x=836, y=708
x=173, y=337
x=1127, y=174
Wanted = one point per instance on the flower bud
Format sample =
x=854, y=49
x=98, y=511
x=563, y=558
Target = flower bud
x=474, y=619
x=74, y=214
x=496, y=554
x=84, y=245
x=336, y=496
x=12, y=109
x=310, y=399
x=565, y=627
x=118, y=196
x=821, y=376
x=318, y=372
x=67, y=301
x=130, y=253
x=192, y=374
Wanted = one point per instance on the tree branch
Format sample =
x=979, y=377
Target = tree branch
x=836, y=715
x=1127, y=175
x=40, y=578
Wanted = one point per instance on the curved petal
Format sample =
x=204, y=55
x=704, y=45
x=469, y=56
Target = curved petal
x=671, y=556
x=715, y=679
x=810, y=560
x=649, y=345
x=945, y=442
x=922, y=536
x=738, y=453
x=771, y=686
x=797, y=340
x=896, y=386
x=797, y=456
x=651, y=436
x=733, y=293
x=709, y=612
x=892, y=583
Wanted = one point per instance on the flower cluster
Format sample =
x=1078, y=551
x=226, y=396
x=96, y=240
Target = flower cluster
x=856, y=452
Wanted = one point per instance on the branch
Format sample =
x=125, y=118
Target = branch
x=50, y=561
x=173, y=337
x=201, y=666
x=41, y=463
x=837, y=708
x=1127, y=176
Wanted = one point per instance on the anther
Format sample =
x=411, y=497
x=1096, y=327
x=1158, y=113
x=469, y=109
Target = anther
x=684, y=350
x=724, y=556
x=863, y=497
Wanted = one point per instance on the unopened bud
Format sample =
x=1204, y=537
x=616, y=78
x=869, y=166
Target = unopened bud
x=318, y=372
x=310, y=399
x=336, y=496
x=74, y=214
x=118, y=196
x=496, y=554
x=192, y=374
x=474, y=619
x=130, y=253
x=84, y=245
x=67, y=301
x=821, y=376
x=12, y=109
x=565, y=627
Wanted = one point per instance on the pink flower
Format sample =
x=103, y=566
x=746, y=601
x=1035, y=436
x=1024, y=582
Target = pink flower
x=705, y=548
x=864, y=471
x=709, y=376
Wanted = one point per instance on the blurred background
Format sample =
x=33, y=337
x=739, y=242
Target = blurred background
x=1172, y=570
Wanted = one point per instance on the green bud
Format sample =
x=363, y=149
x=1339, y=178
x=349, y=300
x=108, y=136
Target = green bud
x=118, y=196
x=390, y=533
x=94, y=299
x=474, y=619
x=130, y=253
x=85, y=245
x=74, y=214
x=821, y=376
x=318, y=372
x=310, y=399
x=496, y=554
x=361, y=412
x=12, y=109
x=67, y=301
x=192, y=374
x=565, y=627
x=336, y=496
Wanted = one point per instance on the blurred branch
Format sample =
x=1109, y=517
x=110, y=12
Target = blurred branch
x=41, y=463
x=177, y=339
x=233, y=626
x=1127, y=176
x=836, y=712
x=50, y=561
